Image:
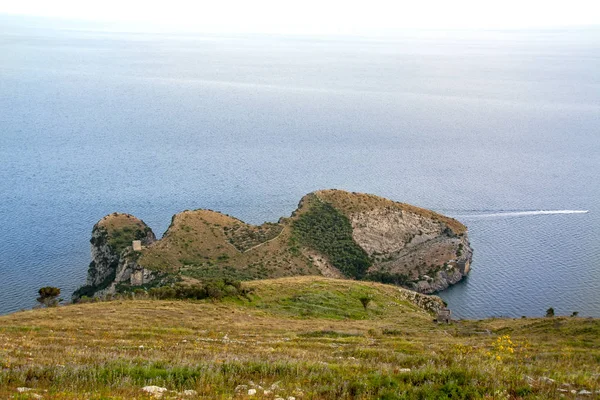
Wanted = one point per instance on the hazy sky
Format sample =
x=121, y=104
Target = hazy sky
x=319, y=16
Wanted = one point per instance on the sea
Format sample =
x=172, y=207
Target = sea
x=499, y=129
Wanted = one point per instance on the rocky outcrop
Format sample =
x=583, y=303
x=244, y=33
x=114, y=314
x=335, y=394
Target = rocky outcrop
x=431, y=304
x=113, y=259
x=407, y=245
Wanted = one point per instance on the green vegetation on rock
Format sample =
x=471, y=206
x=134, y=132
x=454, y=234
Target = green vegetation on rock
x=119, y=239
x=244, y=236
x=328, y=231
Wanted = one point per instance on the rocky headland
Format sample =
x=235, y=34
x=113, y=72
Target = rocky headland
x=332, y=233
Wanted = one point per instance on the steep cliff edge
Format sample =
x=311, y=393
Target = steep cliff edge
x=113, y=259
x=400, y=243
x=332, y=233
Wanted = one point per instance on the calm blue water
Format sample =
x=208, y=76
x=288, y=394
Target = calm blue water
x=494, y=123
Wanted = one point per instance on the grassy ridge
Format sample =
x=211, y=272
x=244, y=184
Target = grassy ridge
x=206, y=244
x=338, y=350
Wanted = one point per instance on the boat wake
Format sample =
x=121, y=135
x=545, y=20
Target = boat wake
x=507, y=214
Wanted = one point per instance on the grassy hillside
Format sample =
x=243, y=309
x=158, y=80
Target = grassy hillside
x=305, y=337
x=207, y=244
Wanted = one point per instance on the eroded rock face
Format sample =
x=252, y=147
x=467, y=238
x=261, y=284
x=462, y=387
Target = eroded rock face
x=388, y=230
x=429, y=264
x=113, y=260
x=104, y=259
x=431, y=304
x=408, y=246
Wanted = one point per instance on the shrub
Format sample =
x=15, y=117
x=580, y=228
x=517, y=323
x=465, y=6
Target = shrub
x=49, y=296
x=386, y=277
x=85, y=299
x=550, y=312
x=365, y=300
x=212, y=289
x=162, y=293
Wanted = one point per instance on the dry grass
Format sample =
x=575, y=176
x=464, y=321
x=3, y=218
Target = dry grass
x=352, y=202
x=197, y=244
x=117, y=221
x=335, y=351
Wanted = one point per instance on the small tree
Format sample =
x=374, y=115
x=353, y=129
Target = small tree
x=550, y=312
x=49, y=296
x=575, y=313
x=365, y=300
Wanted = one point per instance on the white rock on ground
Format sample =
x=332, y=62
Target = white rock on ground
x=251, y=392
x=155, y=390
x=189, y=392
x=23, y=389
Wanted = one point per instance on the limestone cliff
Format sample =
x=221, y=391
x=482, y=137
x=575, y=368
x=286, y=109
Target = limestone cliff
x=113, y=259
x=332, y=233
x=405, y=245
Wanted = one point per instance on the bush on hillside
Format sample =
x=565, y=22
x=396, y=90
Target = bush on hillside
x=212, y=289
x=389, y=278
x=49, y=296
x=365, y=300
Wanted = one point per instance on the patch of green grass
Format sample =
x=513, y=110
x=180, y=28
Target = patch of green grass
x=12, y=328
x=212, y=271
x=317, y=303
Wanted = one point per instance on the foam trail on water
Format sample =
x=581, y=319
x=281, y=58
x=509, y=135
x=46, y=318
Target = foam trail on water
x=521, y=213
